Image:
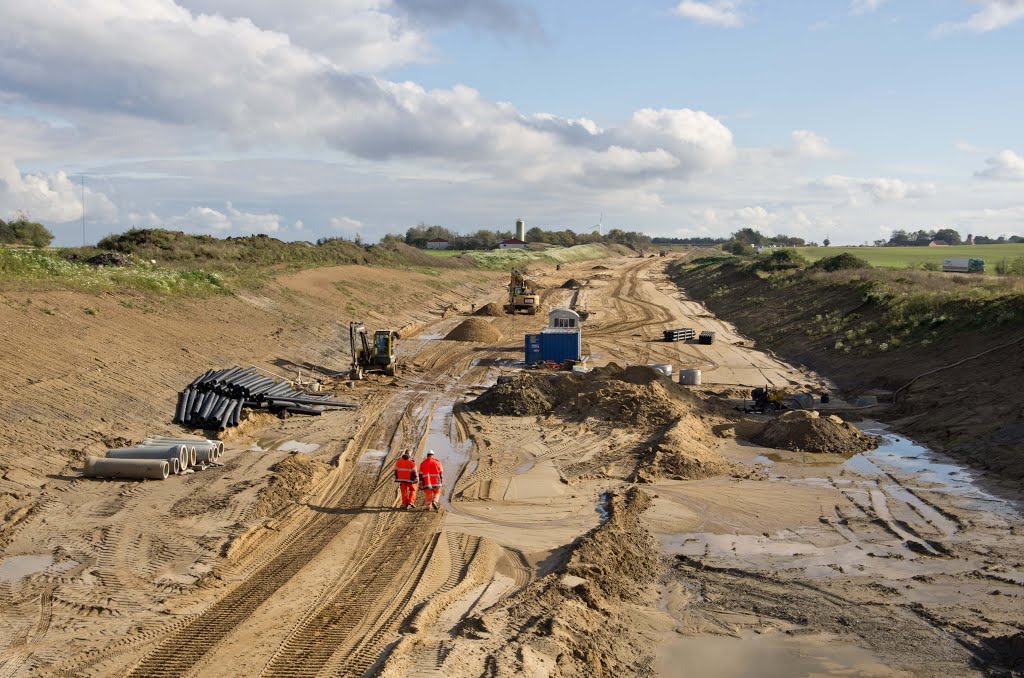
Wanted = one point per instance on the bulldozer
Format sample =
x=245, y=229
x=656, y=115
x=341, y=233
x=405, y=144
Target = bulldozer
x=378, y=356
x=521, y=296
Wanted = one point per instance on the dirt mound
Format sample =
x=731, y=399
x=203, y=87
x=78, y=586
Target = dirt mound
x=572, y=284
x=491, y=310
x=687, y=451
x=806, y=431
x=635, y=397
x=475, y=329
x=110, y=259
x=585, y=618
x=600, y=268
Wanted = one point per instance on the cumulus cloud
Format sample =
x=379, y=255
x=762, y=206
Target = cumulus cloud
x=222, y=222
x=723, y=13
x=157, y=60
x=810, y=145
x=346, y=224
x=1005, y=166
x=50, y=197
x=865, y=6
x=993, y=15
x=496, y=15
x=878, y=189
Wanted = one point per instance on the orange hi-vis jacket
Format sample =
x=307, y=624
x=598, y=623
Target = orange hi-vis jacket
x=405, y=470
x=430, y=473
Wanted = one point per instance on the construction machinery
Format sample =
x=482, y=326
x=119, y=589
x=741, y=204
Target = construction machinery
x=521, y=295
x=768, y=399
x=378, y=356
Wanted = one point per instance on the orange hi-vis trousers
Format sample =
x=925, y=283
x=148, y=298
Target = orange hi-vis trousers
x=408, y=493
x=431, y=494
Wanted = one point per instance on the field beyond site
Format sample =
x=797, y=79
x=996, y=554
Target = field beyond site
x=903, y=257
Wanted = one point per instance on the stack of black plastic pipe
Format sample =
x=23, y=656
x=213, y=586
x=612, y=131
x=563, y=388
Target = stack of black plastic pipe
x=214, y=401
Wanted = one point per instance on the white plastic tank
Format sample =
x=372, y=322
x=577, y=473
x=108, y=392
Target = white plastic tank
x=662, y=368
x=689, y=377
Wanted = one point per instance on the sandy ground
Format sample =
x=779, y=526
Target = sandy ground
x=546, y=558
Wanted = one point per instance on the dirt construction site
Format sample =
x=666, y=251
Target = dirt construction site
x=608, y=522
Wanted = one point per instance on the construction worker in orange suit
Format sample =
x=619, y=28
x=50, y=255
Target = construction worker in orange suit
x=431, y=477
x=405, y=476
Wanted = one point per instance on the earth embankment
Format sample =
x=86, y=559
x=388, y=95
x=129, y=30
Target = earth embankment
x=948, y=350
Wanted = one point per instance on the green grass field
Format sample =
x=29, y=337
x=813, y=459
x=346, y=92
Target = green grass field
x=904, y=257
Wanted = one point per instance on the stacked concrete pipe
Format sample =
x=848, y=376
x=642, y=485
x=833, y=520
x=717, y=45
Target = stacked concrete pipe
x=165, y=452
x=206, y=451
x=128, y=468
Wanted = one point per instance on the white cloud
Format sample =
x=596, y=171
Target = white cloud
x=157, y=60
x=1005, y=166
x=347, y=224
x=865, y=6
x=209, y=220
x=724, y=13
x=967, y=147
x=808, y=144
x=993, y=15
x=50, y=197
x=878, y=189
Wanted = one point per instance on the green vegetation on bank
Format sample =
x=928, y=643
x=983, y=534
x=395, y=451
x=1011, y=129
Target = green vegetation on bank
x=855, y=308
x=24, y=269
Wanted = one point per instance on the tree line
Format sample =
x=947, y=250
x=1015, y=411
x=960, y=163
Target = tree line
x=485, y=239
x=950, y=236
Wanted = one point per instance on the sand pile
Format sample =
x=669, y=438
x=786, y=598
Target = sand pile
x=807, y=431
x=687, y=451
x=587, y=618
x=491, y=310
x=475, y=329
x=572, y=284
x=635, y=397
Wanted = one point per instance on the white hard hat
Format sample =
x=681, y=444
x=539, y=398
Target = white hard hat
x=430, y=453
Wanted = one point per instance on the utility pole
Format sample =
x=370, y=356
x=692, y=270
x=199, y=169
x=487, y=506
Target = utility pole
x=83, y=210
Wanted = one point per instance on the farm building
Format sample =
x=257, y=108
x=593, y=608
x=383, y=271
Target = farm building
x=437, y=244
x=512, y=244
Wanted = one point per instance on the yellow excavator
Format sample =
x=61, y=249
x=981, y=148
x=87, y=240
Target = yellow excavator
x=521, y=296
x=376, y=357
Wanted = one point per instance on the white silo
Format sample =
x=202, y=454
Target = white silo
x=521, y=229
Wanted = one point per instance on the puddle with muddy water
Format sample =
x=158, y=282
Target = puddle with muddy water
x=766, y=656
x=15, y=568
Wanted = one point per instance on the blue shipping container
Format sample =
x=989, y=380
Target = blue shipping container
x=533, y=352
x=557, y=346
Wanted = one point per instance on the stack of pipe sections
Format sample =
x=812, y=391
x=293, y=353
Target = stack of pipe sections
x=205, y=452
x=131, y=469
x=214, y=400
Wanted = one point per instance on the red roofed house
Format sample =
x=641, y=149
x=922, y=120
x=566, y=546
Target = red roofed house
x=512, y=244
x=437, y=244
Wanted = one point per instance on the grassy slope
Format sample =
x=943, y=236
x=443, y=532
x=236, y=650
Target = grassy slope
x=878, y=328
x=903, y=257
x=502, y=259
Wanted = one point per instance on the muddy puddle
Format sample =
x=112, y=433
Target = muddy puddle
x=15, y=568
x=772, y=655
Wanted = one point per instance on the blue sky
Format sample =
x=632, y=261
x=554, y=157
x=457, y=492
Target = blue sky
x=845, y=118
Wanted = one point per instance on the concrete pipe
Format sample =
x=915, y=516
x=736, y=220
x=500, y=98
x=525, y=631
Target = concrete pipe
x=200, y=445
x=155, y=452
x=135, y=469
x=175, y=466
x=191, y=456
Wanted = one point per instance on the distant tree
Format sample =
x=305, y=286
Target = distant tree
x=949, y=235
x=738, y=247
x=826, y=242
x=535, y=234
x=21, y=231
x=749, y=236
